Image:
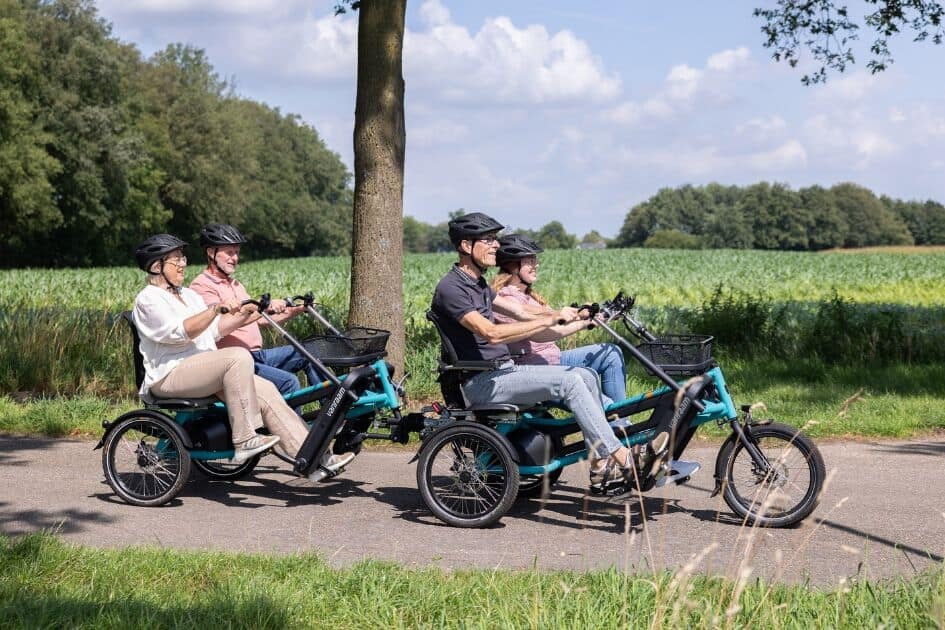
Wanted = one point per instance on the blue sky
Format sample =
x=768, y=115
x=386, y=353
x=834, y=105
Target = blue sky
x=573, y=111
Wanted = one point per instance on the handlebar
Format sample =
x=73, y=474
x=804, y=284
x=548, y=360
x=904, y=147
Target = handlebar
x=262, y=303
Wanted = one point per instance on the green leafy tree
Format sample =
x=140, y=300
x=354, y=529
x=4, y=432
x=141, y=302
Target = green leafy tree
x=728, y=228
x=27, y=205
x=830, y=226
x=871, y=223
x=553, y=236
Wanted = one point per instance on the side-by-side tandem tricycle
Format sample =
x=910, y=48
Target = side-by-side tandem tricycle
x=475, y=461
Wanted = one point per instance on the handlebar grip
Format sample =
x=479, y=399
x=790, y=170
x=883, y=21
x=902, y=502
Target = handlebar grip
x=224, y=310
x=561, y=322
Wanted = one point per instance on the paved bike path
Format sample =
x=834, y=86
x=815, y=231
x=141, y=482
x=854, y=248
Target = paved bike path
x=882, y=514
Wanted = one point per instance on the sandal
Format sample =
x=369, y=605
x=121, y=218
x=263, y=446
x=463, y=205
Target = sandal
x=652, y=459
x=606, y=478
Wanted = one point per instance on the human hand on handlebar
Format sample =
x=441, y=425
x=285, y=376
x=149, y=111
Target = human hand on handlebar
x=566, y=315
x=226, y=306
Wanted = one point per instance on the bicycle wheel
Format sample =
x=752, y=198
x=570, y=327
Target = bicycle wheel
x=466, y=475
x=145, y=461
x=786, y=490
x=221, y=470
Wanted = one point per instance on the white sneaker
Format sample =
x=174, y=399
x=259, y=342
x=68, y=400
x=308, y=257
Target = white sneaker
x=252, y=447
x=331, y=466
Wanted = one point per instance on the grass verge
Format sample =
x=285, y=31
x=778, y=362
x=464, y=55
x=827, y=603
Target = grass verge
x=897, y=401
x=45, y=583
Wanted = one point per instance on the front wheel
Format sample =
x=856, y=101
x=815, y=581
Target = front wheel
x=467, y=476
x=782, y=492
x=145, y=461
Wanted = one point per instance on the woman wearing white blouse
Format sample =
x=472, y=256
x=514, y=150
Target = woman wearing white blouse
x=178, y=334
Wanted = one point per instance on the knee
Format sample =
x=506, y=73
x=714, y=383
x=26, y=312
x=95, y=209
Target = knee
x=236, y=356
x=266, y=390
x=572, y=383
x=612, y=354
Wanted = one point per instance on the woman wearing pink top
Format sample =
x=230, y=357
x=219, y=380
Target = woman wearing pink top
x=517, y=259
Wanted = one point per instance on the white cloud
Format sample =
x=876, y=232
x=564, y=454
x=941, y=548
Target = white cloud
x=686, y=88
x=852, y=88
x=729, y=60
x=789, y=155
x=503, y=63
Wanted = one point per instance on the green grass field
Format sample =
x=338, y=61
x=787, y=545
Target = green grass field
x=46, y=584
x=804, y=333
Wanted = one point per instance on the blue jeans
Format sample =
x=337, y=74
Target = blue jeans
x=279, y=365
x=607, y=360
x=531, y=384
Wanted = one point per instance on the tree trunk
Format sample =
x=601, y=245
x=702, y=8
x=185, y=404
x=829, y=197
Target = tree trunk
x=377, y=298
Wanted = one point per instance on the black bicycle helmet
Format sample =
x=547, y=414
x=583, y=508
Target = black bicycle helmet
x=515, y=247
x=156, y=247
x=472, y=225
x=220, y=234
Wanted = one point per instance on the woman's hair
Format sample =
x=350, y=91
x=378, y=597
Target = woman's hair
x=504, y=278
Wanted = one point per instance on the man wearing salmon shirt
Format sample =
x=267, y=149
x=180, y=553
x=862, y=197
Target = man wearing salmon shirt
x=216, y=284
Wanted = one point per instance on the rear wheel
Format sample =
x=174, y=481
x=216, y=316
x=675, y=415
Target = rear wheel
x=467, y=476
x=782, y=492
x=222, y=470
x=145, y=461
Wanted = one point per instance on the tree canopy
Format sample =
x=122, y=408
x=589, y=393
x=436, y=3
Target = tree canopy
x=773, y=216
x=99, y=146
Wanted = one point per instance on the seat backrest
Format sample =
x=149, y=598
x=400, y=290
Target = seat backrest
x=447, y=351
x=135, y=350
x=450, y=381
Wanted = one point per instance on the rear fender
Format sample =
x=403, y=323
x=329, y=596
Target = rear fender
x=148, y=413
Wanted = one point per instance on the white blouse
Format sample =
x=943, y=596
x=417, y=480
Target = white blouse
x=159, y=317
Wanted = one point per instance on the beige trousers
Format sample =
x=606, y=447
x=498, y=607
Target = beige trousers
x=251, y=401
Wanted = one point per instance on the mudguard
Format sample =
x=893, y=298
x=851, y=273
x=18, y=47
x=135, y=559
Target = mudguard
x=150, y=413
x=719, y=464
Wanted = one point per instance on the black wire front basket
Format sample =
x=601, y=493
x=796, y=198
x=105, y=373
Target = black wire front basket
x=680, y=355
x=355, y=346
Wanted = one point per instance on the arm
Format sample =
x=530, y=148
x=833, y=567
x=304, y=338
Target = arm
x=236, y=318
x=279, y=311
x=160, y=321
x=196, y=324
x=505, y=333
x=558, y=331
x=516, y=310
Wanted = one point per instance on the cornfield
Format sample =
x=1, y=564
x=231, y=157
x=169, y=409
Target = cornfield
x=59, y=333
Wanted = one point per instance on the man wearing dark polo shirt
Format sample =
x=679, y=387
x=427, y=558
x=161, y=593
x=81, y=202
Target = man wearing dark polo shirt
x=464, y=302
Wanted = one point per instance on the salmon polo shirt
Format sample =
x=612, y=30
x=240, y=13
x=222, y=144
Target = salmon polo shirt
x=213, y=289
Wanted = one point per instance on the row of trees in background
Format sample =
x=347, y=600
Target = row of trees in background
x=420, y=237
x=761, y=216
x=773, y=216
x=99, y=147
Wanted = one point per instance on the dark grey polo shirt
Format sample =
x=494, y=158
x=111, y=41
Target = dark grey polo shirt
x=457, y=294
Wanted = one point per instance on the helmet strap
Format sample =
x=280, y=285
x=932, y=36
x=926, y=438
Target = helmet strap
x=173, y=288
x=213, y=263
x=528, y=285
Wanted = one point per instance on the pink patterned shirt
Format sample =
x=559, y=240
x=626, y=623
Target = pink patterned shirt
x=213, y=289
x=536, y=352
